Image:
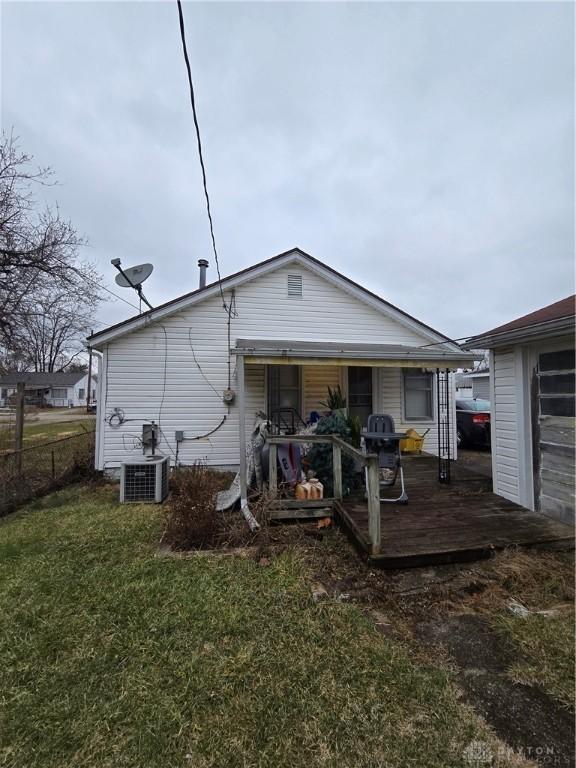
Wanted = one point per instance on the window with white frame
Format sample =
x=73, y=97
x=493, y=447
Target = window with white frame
x=418, y=395
x=81, y=394
x=59, y=393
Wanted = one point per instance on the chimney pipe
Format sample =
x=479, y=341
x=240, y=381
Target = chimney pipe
x=203, y=266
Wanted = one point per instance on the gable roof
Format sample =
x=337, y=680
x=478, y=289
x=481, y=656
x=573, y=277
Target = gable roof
x=295, y=254
x=558, y=316
x=54, y=379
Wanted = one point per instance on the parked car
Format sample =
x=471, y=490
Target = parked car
x=473, y=423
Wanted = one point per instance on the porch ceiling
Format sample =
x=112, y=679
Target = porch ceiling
x=288, y=352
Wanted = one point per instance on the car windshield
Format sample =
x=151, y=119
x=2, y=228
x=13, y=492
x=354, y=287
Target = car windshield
x=473, y=405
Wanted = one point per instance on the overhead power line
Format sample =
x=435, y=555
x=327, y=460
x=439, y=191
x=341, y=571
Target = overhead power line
x=199, y=142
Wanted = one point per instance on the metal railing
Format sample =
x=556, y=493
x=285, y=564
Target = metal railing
x=339, y=446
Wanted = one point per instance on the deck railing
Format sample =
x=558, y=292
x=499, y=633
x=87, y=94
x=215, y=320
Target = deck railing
x=339, y=446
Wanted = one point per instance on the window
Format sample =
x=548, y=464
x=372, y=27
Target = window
x=81, y=394
x=59, y=393
x=418, y=389
x=283, y=388
x=360, y=393
x=557, y=383
x=295, y=286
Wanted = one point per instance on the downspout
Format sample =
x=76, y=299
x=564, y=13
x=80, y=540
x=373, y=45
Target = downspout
x=99, y=406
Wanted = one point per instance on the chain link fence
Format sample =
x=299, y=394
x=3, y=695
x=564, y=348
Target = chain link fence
x=34, y=471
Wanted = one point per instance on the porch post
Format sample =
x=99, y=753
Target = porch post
x=249, y=517
x=374, y=503
x=242, y=430
x=337, y=470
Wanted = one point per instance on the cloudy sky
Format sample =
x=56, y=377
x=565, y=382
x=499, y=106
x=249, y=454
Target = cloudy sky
x=423, y=149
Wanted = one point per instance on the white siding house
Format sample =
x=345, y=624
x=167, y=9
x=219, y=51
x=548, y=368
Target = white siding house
x=54, y=390
x=533, y=410
x=473, y=385
x=481, y=385
x=172, y=365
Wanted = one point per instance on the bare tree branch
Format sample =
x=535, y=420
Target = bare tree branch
x=47, y=293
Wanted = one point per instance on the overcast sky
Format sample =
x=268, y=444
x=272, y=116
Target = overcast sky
x=423, y=149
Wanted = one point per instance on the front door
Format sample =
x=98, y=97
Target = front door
x=360, y=392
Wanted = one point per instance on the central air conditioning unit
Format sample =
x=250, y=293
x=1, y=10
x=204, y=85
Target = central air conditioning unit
x=145, y=480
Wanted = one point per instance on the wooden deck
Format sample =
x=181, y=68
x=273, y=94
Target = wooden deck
x=448, y=523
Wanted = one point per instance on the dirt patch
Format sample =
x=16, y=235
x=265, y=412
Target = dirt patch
x=416, y=595
x=446, y=614
x=471, y=642
x=192, y=524
x=525, y=717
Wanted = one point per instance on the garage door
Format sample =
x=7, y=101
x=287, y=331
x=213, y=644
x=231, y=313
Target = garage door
x=555, y=454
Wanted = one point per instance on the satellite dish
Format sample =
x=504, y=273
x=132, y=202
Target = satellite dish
x=134, y=275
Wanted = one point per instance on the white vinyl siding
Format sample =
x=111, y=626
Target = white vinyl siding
x=481, y=387
x=504, y=409
x=152, y=374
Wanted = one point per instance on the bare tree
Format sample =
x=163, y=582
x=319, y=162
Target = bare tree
x=43, y=282
x=50, y=336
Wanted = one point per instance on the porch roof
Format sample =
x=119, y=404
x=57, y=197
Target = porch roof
x=290, y=352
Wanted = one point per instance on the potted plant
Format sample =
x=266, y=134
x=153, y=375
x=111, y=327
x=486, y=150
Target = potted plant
x=335, y=401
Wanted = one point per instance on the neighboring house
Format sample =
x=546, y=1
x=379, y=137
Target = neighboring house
x=463, y=388
x=294, y=327
x=533, y=411
x=58, y=389
x=473, y=385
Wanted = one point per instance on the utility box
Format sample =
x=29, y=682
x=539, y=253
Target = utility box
x=149, y=435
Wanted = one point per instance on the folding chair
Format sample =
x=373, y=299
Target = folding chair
x=380, y=438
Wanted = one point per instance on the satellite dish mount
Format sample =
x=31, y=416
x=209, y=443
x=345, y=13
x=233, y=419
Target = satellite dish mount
x=133, y=277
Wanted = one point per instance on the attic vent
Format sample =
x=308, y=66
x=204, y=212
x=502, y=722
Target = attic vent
x=294, y=285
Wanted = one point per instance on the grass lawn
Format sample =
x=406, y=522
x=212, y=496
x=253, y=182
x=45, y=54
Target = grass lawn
x=113, y=656
x=547, y=644
x=35, y=433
